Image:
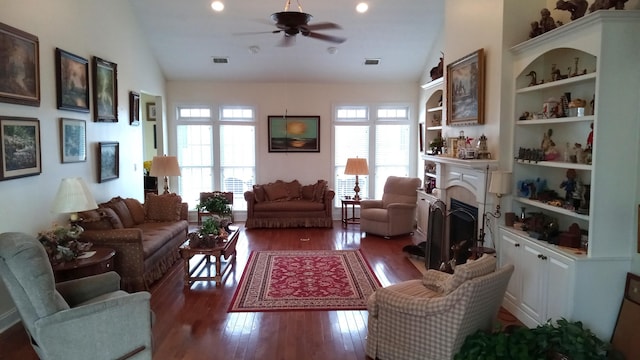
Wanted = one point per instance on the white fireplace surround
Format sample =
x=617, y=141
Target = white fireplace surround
x=466, y=181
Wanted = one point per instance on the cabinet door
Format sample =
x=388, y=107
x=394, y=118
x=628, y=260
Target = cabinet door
x=558, y=289
x=510, y=249
x=533, y=271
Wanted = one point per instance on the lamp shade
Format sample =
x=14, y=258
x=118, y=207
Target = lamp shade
x=73, y=195
x=165, y=166
x=356, y=166
x=500, y=183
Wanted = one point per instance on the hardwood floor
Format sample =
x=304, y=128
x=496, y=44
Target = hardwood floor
x=192, y=322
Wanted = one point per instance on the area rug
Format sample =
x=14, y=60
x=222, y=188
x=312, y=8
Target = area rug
x=305, y=280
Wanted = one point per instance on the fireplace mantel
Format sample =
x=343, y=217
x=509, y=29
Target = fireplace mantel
x=479, y=164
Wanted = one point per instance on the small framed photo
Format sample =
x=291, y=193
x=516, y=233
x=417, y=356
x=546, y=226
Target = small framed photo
x=19, y=67
x=109, y=161
x=465, y=90
x=73, y=140
x=134, y=108
x=151, y=112
x=20, y=151
x=105, y=90
x=72, y=81
x=294, y=133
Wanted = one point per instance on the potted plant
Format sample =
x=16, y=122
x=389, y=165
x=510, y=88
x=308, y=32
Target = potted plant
x=554, y=341
x=216, y=204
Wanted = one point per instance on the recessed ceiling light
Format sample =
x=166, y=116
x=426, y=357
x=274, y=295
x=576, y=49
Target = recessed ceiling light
x=254, y=49
x=332, y=50
x=362, y=7
x=217, y=6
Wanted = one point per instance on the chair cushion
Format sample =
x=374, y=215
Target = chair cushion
x=165, y=207
x=470, y=270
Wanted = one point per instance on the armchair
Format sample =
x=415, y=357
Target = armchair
x=429, y=319
x=85, y=318
x=395, y=213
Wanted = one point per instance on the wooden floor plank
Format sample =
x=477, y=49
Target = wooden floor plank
x=192, y=322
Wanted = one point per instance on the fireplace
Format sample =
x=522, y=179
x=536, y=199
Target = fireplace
x=463, y=225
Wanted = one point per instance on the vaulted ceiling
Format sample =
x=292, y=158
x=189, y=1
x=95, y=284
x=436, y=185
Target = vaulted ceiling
x=186, y=35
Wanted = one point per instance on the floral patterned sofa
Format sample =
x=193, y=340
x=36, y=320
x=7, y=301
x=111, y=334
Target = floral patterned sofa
x=145, y=236
x=289, y=204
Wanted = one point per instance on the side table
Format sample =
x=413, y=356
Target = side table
x=346, y=220
x=98, y=263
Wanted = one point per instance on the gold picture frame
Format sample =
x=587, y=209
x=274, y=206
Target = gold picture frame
x=465, y=90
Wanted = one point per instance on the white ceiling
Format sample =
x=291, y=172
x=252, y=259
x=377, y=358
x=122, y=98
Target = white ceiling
x=184, y=35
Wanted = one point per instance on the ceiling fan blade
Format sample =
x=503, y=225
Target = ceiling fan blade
x=257, y=32
x=287, y=40
x=321, y=26
x=334, y=39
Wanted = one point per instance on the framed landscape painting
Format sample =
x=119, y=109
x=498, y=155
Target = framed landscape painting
x=465, y=90
x=294, y=133
x=72, y=81
x=20, y=150
x=19, y=67
x=109, y=161
x=73, y=141
x=105, y=90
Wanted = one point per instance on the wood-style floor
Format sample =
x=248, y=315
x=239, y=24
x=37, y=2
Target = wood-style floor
x=193, y=323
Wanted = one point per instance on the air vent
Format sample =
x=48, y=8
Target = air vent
x=371, y=61
x=220, y=60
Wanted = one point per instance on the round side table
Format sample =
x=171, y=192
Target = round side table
x=98, y=263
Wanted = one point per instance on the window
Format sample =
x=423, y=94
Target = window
x=383, y=140
x=216, y=155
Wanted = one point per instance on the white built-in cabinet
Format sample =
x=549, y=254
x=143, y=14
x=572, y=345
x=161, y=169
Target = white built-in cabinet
x=550, y=281
x=432, y=123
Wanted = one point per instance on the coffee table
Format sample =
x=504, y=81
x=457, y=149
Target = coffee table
x=204, y=269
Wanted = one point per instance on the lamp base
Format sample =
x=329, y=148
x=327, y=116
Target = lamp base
x=356, y=189
x=166, y=185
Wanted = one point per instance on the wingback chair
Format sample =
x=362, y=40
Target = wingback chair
x=429, y=318
x=395, y=213
x=87, y=318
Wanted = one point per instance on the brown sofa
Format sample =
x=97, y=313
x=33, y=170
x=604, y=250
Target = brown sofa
x=145, y=236
x=288, y=204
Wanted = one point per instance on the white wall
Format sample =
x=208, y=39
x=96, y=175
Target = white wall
x=296, y=99
x=86, y=28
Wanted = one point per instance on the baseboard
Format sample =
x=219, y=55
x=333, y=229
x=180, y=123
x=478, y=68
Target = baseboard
x=8, y=319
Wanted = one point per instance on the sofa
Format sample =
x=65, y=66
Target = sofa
x=284, y=204
x=146, y=237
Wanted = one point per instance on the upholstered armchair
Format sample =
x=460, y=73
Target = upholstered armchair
x=395, y=213
x=429, y=318
x=87, y=318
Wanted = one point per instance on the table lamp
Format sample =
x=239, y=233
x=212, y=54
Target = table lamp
x=73, y=196
x=356, y=166
x=165, y=166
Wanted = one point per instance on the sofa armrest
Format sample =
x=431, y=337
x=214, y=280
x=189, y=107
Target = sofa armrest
x=80, y=290
x=184, y=211
x=370, y=203
x=329, y=194
x=250, y=197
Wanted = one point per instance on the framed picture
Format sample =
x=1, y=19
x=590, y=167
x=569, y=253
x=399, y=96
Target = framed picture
x=294, y=133
x=465, y=90
x=72, y=81
x=134, y=108
x=73, y=140
x=151, y=111
x=19, y=67
x=105, y=90
x=20, y=151
x=109, y=161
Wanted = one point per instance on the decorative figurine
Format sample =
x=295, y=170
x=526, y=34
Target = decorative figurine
x=437, y=71
x=549, y=147
x=546, y=21
x=483, y=149
x=535, y=30
x=534, y=78
x=577, y=8
x=590, y=139
x=555, y=73
x=607, y=4
x=569, y=185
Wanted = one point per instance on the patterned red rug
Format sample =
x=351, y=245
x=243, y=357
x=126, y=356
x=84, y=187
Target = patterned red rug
x=305, y=280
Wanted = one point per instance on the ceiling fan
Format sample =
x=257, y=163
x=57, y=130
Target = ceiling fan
x=292, y=23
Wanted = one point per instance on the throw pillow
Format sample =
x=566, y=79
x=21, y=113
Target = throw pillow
x=293, y=190
x=118, y=205
x=470, y=270
x=258, y=190
x=100, y=219
x=136, y=209
x=307, y=192
x=318, y=191
x=276, y=191
x=165, y=207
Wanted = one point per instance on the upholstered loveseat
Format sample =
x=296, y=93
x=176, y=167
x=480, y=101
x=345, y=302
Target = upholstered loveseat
x=145, y=236
x=289, y=204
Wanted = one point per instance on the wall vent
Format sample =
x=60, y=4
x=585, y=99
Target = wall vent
x=220, y=60
x=371, y=61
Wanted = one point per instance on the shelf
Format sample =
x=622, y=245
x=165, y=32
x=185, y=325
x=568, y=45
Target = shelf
x=434, y=128
x=555, y=120
x=471, y=163
x=430, y=175
x=435, y=109
x=572, y=80
x=437, y=82
x=551, y=208
x=556, y=164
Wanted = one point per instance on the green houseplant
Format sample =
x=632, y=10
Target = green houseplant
x=554, y=341
x=216, y=204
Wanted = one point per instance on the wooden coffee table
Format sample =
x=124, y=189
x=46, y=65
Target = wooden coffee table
x=204, y=269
